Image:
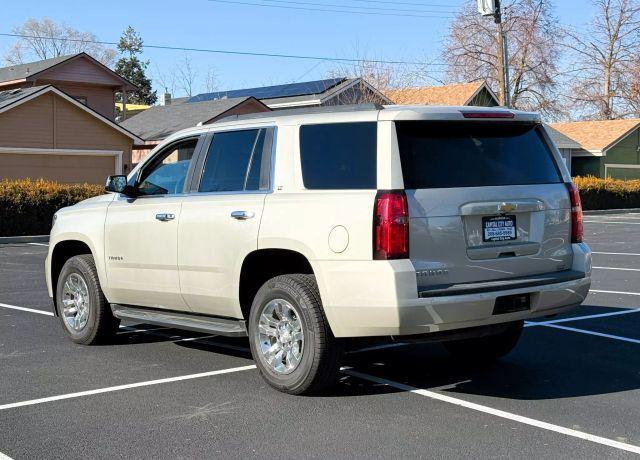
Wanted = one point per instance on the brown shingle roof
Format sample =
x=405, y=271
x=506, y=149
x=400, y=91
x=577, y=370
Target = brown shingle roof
x=456, y=94
x=597, y=135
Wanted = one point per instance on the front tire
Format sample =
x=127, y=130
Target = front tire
x=84, y=312
x=290, y=338
x=486, y=349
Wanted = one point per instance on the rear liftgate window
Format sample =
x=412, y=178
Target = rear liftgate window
x=339, y=155
x=470, y=154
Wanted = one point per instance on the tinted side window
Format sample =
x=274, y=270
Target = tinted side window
x=168, y=172
x=236, y=161
x=470, y=154
x=339, y=155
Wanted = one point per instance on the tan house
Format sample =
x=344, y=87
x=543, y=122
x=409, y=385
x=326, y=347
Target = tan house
x=80, y=76
x=46, y=133
x=476, y=93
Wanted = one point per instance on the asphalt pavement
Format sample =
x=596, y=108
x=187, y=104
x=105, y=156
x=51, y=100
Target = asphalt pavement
x=570, y=389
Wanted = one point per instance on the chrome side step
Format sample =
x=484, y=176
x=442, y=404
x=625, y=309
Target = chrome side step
x=179, y=320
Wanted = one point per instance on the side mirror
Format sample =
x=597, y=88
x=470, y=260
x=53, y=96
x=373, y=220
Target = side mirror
x=116, y=184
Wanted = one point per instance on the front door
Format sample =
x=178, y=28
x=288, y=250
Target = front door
x=141, y=233
x=219, y=222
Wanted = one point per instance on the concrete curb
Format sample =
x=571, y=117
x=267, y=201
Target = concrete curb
x=601, y=212
x=24, y=239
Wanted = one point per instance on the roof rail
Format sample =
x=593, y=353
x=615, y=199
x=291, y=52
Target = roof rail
x=304, y=111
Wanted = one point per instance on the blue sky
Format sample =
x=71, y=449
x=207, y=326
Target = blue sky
x=219, y=25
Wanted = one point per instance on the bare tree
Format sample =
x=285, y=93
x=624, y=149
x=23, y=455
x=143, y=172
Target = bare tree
x=380, y=75
x=44, y=39
x=606, y=62
x=211, y=81
x=471, y=52
x=167, y=80
x=186, y=76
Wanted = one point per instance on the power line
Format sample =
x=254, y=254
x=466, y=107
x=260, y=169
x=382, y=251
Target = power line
x=326, y=10
x=357, y=7
x=235, y=52
x=436, y=5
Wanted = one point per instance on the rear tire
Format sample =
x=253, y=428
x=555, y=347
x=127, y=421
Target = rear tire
x=84, y=312
x=486, y=349
x=290, y=338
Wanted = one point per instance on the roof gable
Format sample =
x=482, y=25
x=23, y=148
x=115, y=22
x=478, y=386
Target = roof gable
x=456, y=94
x=22, y=71
x=160, y=121
x=65, y=68
x=597, y=135
x=16, y=97
x=349, y=88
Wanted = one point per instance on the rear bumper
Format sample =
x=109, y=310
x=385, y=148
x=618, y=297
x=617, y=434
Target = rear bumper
x=380, y=298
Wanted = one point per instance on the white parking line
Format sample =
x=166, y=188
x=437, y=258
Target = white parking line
x=80, y=394
x=600, y=291
x=610, y=216
x=598, y=334
x=30, y=310
x=4, y=457
x=617, y=253
x=497, y=412
x=619, y=268
x=605, y=222
x=579, y=318
x=527, y=324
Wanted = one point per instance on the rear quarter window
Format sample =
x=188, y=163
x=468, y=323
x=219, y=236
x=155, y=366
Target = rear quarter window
x=339, y=155
x=474, y=154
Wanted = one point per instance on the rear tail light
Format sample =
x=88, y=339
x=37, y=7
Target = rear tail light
x=391, y=226
x=576, y=213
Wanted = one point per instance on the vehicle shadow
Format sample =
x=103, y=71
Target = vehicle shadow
x=146, y=333
x=546, y=364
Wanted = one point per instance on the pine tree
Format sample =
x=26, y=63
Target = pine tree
x=133, y=69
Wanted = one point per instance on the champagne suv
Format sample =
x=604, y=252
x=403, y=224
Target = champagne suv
x=304, y=229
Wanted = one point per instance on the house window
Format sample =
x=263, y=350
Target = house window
x=81, y=99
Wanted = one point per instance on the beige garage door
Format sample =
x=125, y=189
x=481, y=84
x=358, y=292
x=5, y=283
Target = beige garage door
x=59, y=168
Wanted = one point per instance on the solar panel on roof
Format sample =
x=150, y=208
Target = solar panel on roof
x=272, y=92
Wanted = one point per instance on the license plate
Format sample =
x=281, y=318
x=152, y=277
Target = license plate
x=499, y=228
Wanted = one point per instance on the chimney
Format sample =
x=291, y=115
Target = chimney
x=165, y=98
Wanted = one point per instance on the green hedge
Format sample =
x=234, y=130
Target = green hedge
x=597, y=193
x=27, y=207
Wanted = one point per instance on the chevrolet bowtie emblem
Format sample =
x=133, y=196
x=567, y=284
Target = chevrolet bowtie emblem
x=506, y=207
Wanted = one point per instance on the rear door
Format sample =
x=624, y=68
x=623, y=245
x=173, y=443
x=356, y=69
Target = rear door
x=486, y=201
x=220, y=219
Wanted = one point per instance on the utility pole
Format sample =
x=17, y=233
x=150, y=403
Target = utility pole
x=503, y=58
x=493, y=8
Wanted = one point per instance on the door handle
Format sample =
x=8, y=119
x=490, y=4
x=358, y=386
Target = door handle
x=165, y=217
x=242, y=215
